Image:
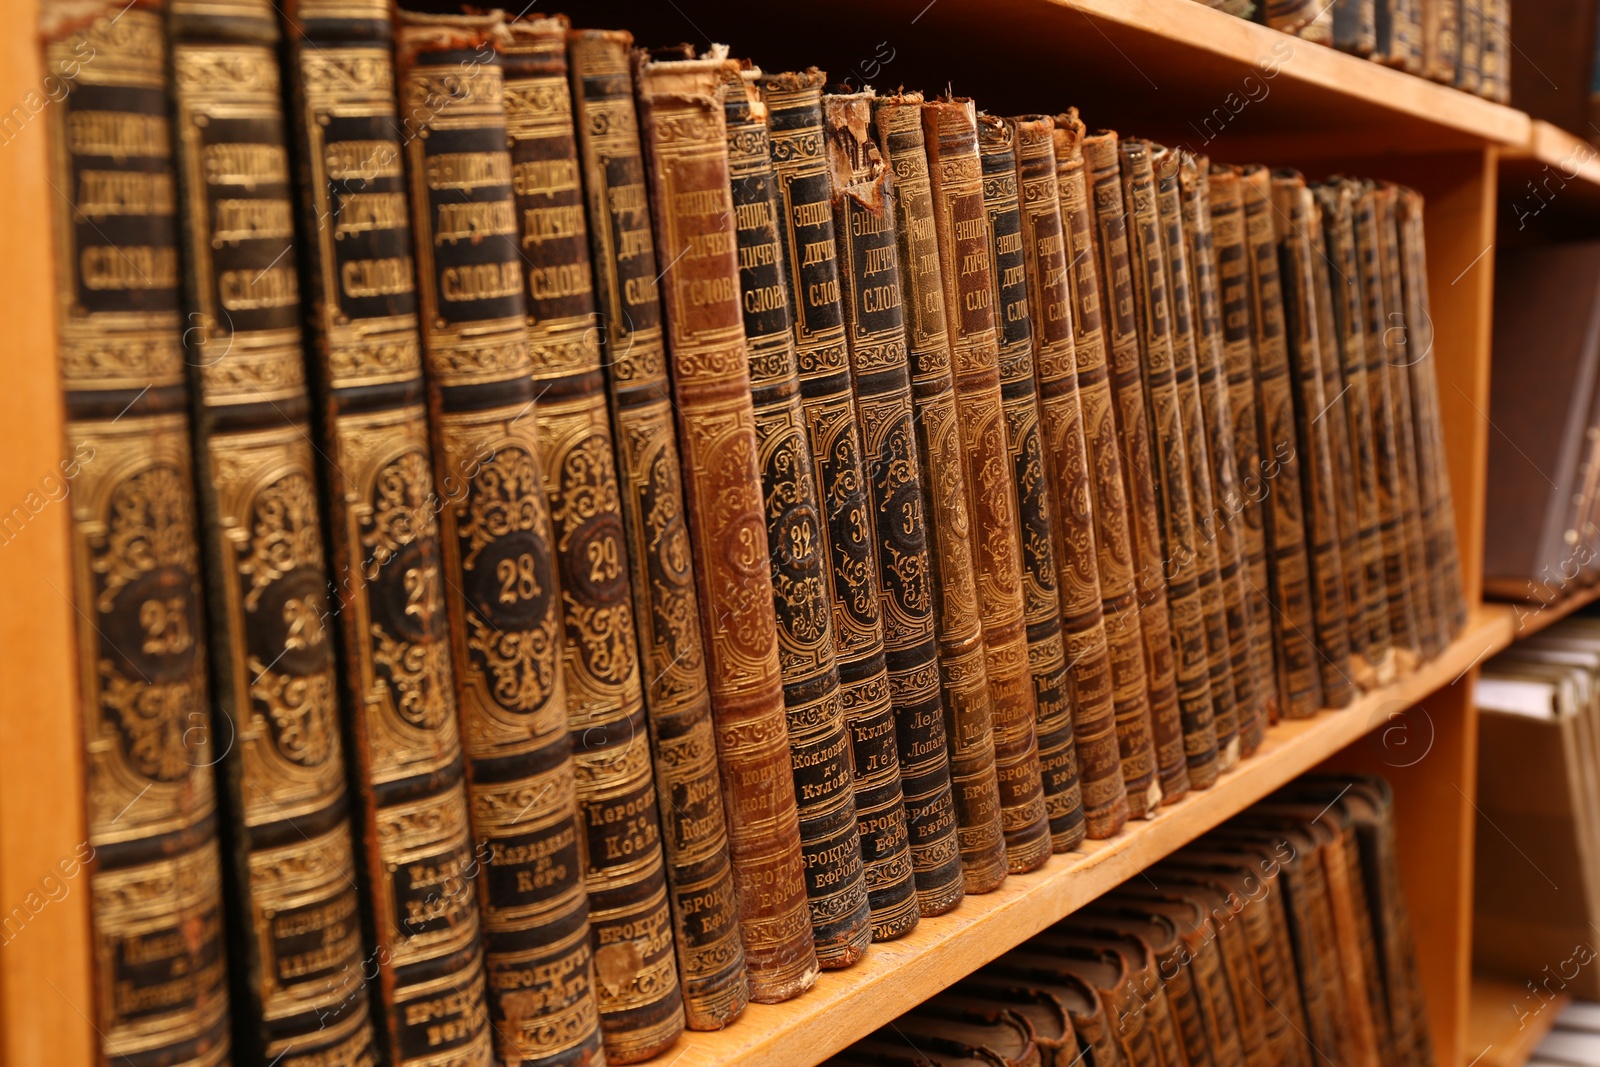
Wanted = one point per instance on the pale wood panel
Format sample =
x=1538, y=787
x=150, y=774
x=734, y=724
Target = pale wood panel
x=1505, y=1028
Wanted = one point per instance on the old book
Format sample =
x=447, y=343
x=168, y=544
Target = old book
x=1299, y=683
x=1152, y=744
x=685, y=136
x=1355, y=26
x=1178, y=967
x=156, y=911
x=1093, y=1025
x=1096, y=711
x=1494, y=54
x=950, y=1023
x=499, y=559
x=1014, y=249
x=1221, y=522
x=962, y=676
x=1181, y=559
x=1046, y=1012
x=275, y=694
x=1441, y=38
x=951, y=135
x=1146, y=997
x=875, y=326
x=392, y=627
x=840, y=912
x=1399, y=26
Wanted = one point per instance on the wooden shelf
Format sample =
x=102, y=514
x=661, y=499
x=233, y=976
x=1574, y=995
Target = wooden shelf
x=1528, y=619
x=1550, y=185
x=897, y=975
x=1501, y=1035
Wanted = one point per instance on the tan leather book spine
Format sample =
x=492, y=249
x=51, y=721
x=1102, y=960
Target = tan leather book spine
x=1299, y=681
x=1441, y=39
x=685, y=137
x=951, y=134
x=1095, y=714
x=1181, y=559
x=1041, y=600
x=1152, y=745
x=963, y=677
x=1221, y=523
x=150, y=860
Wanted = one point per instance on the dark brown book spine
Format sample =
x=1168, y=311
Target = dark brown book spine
x=1221, y=523
x=963, y=678
x=685, y=136
x=499, y=561
x=1019, y=393
x=1152, y=744
x=864, y=213
x=1469, y=56
x=1399, y=25
x=951, y=134
x=157, y=923
x=666, y=607
x=1098, y=510
x=394, y=632
x=1152, y=291
x=1299, y=683
x=297, y=911
x=839, y=910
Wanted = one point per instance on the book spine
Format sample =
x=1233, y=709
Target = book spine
x=155, y=884
x=1494, y=58
x=1300, y=685
x=1441, y=40
x=864, y=213
x=1220, y=523
x=951, y=134
x=1152, y=746
x=1469, y=59
x=963, y=677
x=819, y=734
x=1041, y=598
x=685, y=136
x=499, y=564
x=384, y=532
x=1399, y=25
x=840, y=905
x=1066, y=468
x=276, y=692
x=666, y=608
x=1096, y=709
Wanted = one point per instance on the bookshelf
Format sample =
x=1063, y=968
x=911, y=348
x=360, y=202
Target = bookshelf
x=1151, y=66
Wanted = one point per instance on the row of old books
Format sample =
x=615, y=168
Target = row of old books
x=1464, y=43
x=571, y=540
x=1280, y=937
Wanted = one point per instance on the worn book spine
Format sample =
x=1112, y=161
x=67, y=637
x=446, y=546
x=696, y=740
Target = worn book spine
x=875, y=325
x=819, y=733
x=1355, y=26
x=951, y=132
x=666, y=609
x=297, y=911
x=1153, y=762
x=366, y=355
x=1441, y=39
x=1299, y=682
x=1399, y=26
x=685, y=136
x=1221, y=523
x=1494, y=55
x=962, y=677
x=1469, y=56
x=1095, y=712
x=1152, y=292
x=499, y=567
x=157, y=923
x=1167, y=166
x=840, y=912
x=1019, y=394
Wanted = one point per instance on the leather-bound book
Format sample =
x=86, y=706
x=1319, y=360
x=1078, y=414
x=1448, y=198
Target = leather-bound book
x=1239, y=361
x=296, y=925
x=1095, y=713
x=1178, y=967
x=1093, y=1026
x=1151, y=743
x=950, y=131
x=1046, y=1012
x=1019, y=342
x=1469, y=51
x=1355, y=26
x=875, y=326
x=1494, y=58
x=156, y=912
x=1399, y=26
x=499, y=561
x=1141, y=994
x=839, y=901
x=1158, y=341
x=393, y=628
x=1294, y=216
x=666, y=610
x=962, y=675
x=1221, y=523
x=1441, y=38
x=685, y=138
x=1289, y=594
x=950, y=1022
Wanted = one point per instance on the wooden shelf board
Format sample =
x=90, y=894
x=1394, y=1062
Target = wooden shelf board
x=1526, y=620
x=1550, y=183
x=896, y=975
x=1498, y=1033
